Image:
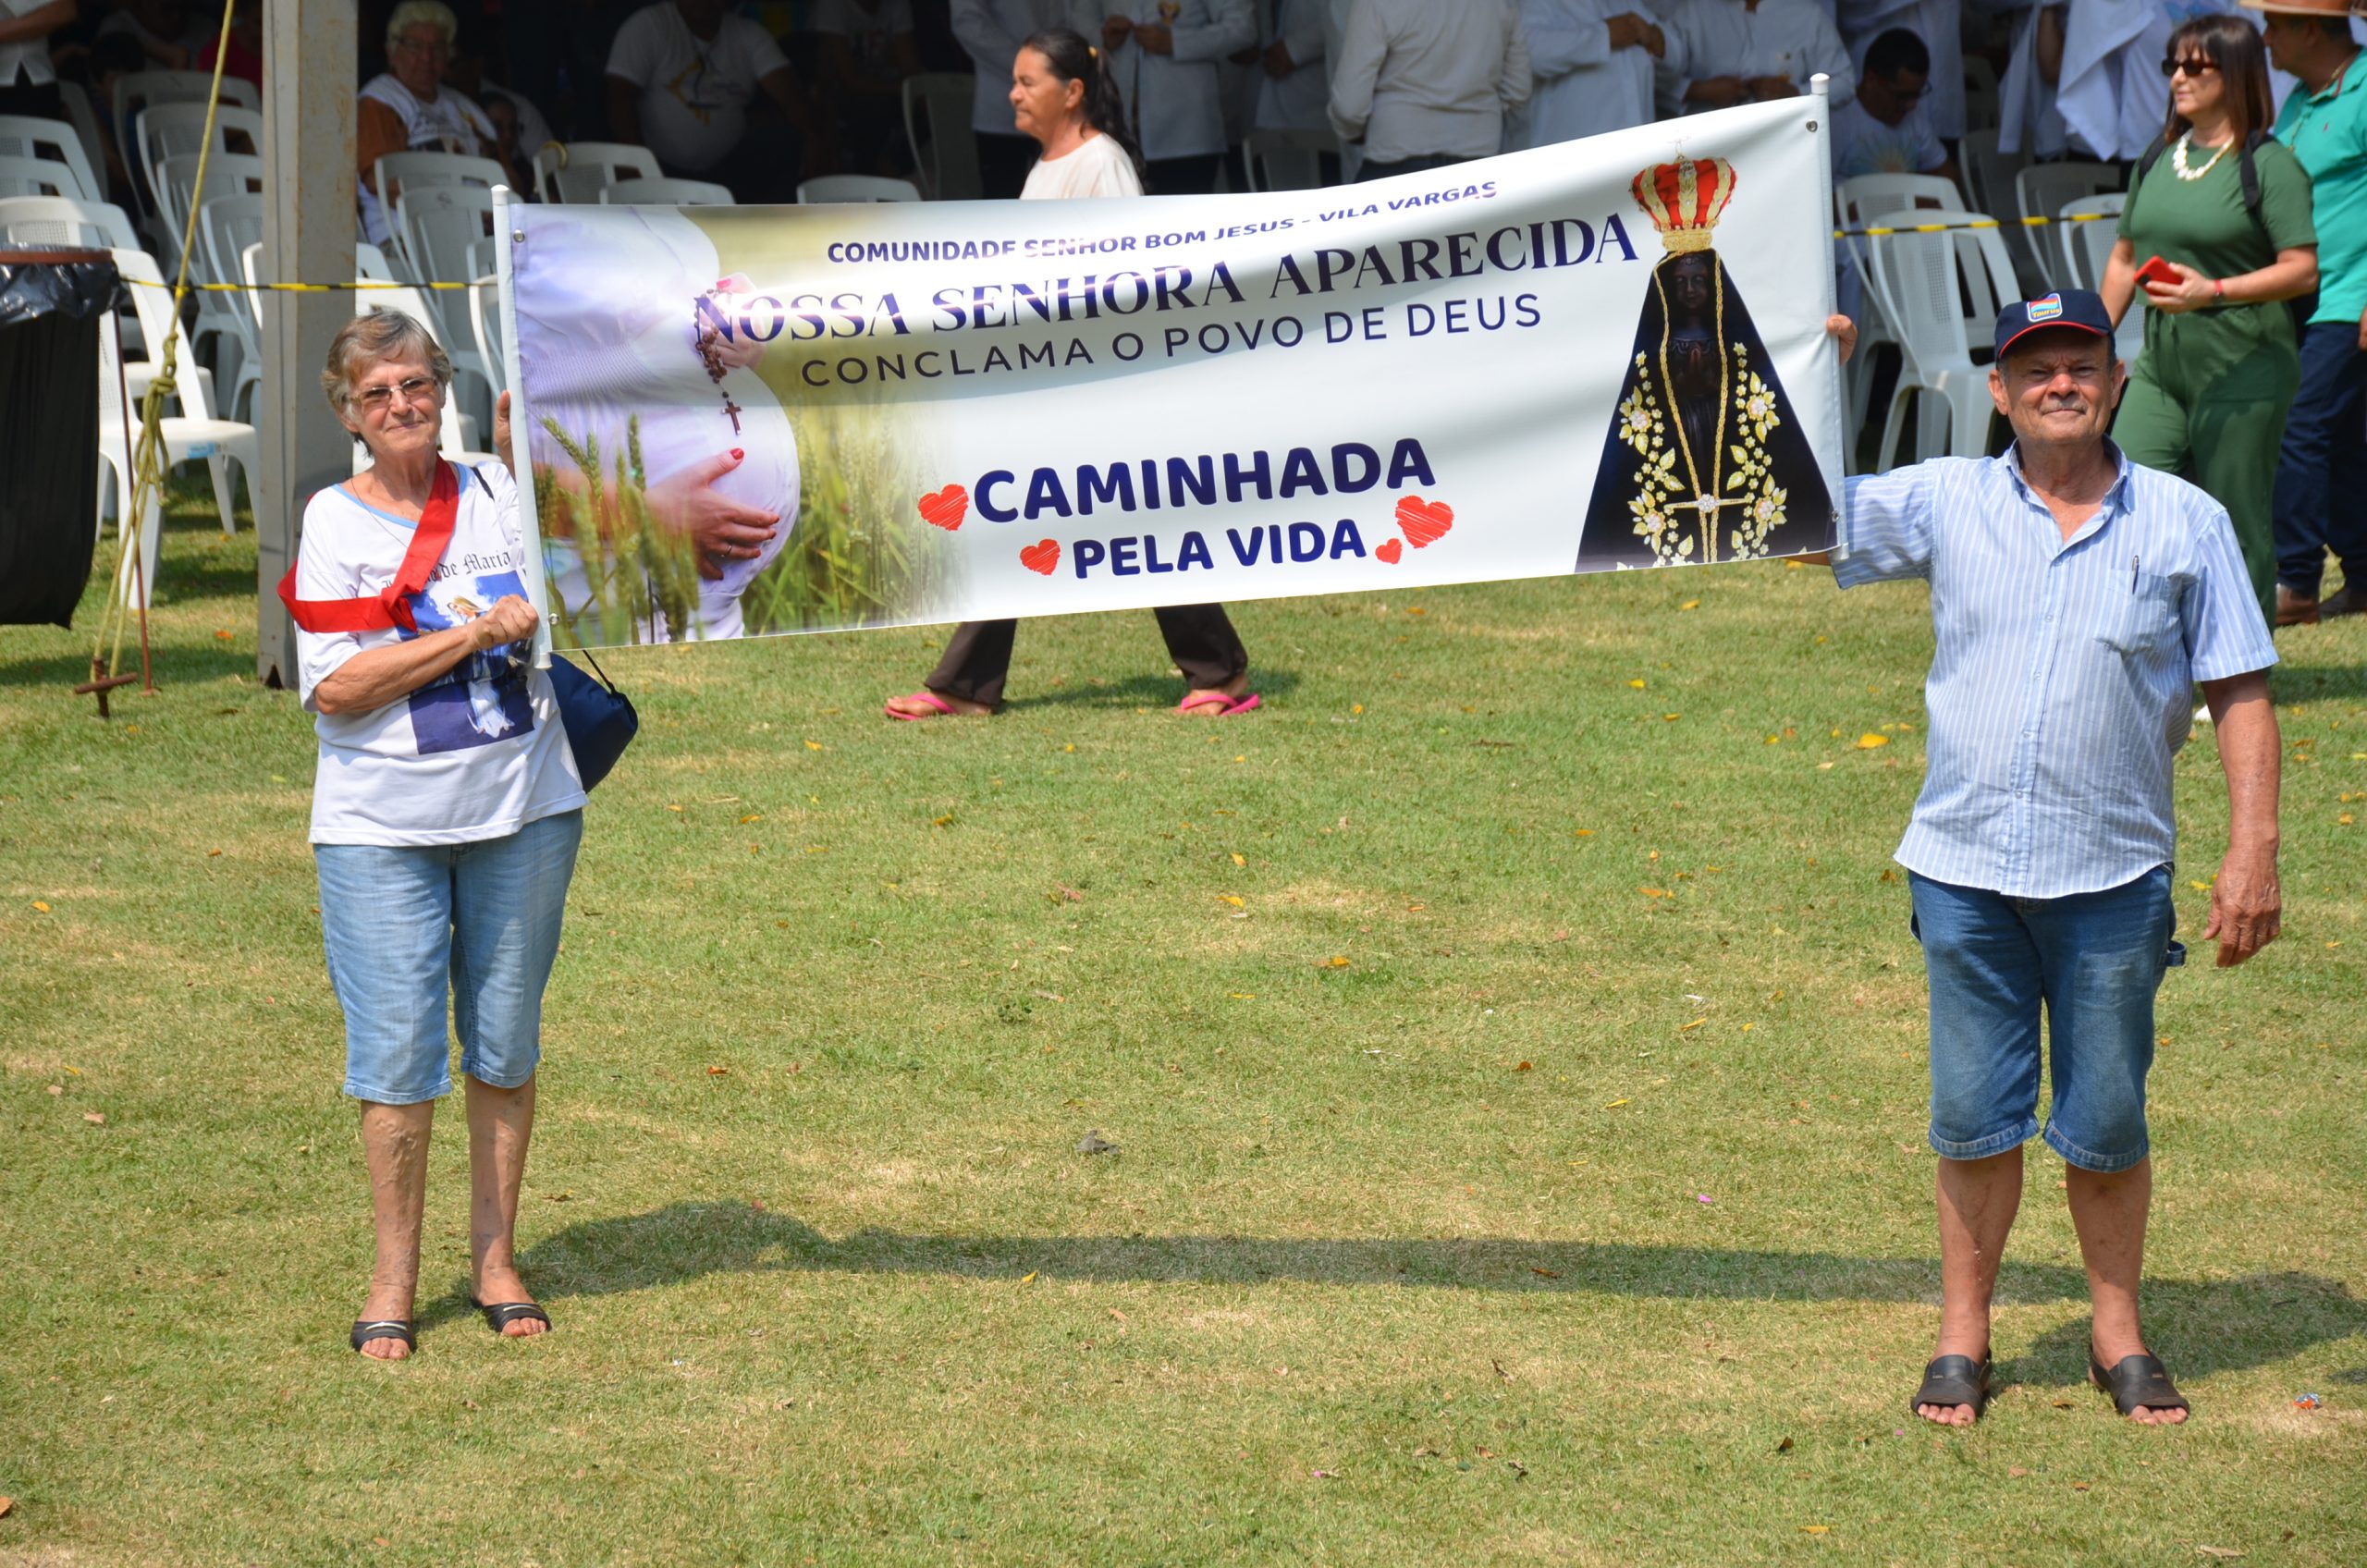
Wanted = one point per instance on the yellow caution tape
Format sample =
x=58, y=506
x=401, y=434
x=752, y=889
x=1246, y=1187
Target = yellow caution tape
x=1977, y=222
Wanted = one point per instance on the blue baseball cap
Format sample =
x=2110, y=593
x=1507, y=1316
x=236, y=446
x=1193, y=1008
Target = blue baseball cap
x=2082, y=310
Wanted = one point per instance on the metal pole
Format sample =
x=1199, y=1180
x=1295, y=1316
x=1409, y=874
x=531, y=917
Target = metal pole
x=308, y=232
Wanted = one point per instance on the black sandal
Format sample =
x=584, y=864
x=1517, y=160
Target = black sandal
x=1953, y=1380
x=366, y=1329
x=499, y=1315
x=2138, y=1382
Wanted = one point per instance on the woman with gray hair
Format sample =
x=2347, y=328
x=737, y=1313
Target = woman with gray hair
x=447, y=808
x=407, y=107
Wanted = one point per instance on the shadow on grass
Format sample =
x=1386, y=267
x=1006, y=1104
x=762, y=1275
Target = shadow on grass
x=2207, y=1324
x=1144, y=691
x=2293, y=682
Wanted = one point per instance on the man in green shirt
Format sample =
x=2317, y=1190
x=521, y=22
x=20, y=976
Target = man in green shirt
x=2321, y=500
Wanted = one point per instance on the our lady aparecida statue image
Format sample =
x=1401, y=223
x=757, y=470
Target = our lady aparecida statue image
x=1706, y=460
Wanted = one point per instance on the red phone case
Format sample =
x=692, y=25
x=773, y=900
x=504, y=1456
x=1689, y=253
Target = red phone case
x=2156, y=270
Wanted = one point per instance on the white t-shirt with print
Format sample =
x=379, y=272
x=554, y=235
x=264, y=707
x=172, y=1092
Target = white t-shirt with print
x=1862, y=145
x=1100, y=167
x=476, y=754
x=694, y=94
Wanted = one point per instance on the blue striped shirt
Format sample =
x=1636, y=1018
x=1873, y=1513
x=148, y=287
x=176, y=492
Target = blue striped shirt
x=2063, y=676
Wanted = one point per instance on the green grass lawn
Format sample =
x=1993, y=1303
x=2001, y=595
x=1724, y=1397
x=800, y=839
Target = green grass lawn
x=1511, y=1038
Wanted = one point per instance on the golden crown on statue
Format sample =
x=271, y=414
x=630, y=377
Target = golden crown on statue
x=1684, y=198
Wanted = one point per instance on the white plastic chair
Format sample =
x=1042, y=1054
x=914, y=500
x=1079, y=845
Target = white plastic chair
x=441, y=226
x=834, y=189
x=485, y=326
x=936, y=127
x=370, y=264
x=2089, y=247
x=642, y=191
x=135, y=92
x=1919, y=280
x=2041, y=189
x=227, y=228
x=1989, y=188
x=1286, y=160
x=226, y=174
x=579, y=171
x=37, y=177
x=422, y=171
x=1858, y=202
x=65, y=220
x=85, y=121
x=169, y=130
x=24, y=136
x=193, y=434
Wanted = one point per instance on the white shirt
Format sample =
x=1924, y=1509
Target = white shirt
x=1583, y=86
x=1100, y=167
x=28, y=59
x=1862, y=145
x=599, y=357
x=990, y=33
x=1176, y=101
x=1938, y=23
x=1785, y=38
x=1415, y=78
x=1298, y=100
x=476, y=754
x=694, y=94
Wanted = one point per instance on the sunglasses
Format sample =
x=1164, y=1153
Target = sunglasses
x=2192, y=67
x=412, y=389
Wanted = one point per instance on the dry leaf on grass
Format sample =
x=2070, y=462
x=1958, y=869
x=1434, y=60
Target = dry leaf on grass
x=1784, y=1447
x=1543, y=1273
x=1241, y=860
x=2217, y=1552
x=94, y=1119
x=1336, y=961
x=1871, y=738
x=1524, y=1066
x=1816, y=1529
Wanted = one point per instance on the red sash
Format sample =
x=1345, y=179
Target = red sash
x=391, y=606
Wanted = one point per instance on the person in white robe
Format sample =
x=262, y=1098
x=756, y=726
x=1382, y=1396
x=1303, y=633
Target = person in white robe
x=1592, y=62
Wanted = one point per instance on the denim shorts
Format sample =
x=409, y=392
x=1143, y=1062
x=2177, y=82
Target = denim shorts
x=2093, y=962
x=409, y=927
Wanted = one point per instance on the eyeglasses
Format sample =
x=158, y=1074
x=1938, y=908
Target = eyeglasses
x=2192, y=67
x=418, y=46
x=411, y=389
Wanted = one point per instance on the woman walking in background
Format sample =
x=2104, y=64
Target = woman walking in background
x=1062, y=95
x=2227, y=213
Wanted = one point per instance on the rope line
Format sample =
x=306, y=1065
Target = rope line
x=1879, y=232
x=360, y=283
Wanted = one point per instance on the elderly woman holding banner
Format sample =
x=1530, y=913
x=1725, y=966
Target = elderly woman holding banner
x=447, y=808
x=1062, y=95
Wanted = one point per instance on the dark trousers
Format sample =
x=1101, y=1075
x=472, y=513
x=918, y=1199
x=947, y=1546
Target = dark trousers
x=1003, y=163
x=1422, y=164
x=43, y=103
x=1195, y=175
x=2321, y=468
x=1200, y=639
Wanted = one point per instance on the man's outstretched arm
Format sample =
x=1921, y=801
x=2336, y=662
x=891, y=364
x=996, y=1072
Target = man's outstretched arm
x=2246, y=906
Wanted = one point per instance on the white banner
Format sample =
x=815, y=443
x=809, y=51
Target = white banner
x=1601, y=355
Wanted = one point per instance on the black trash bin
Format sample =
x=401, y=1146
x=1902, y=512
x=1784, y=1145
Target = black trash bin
x=53, y=304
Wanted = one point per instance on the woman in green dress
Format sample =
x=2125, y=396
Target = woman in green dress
x=2228, y=211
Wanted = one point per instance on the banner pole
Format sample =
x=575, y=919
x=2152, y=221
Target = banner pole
x=1820, y=90
x=506, y=210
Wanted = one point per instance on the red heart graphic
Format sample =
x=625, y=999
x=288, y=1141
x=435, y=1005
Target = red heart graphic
x=946, y=509
x=1043, y=556
x=1390, y=550
x=1423, y=520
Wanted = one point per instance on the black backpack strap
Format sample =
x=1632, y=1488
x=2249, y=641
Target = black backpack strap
x=2245, y=167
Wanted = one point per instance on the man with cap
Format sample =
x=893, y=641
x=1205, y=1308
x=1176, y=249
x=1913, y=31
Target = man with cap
x=2076, y=599
x=2321, y=468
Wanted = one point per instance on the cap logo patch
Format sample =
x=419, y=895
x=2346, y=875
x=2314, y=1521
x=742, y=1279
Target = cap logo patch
x=2048, y=309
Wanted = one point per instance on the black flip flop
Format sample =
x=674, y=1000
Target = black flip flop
x=366, y=1329
x=1953, y=1380
x=499, y=1315
x=2137, y=1383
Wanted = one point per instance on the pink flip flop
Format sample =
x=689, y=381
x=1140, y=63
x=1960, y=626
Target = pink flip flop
x=1226, y=706
x=944, y=709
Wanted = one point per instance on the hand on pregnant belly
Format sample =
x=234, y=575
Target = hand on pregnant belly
x=741, y=351
x=720, y=530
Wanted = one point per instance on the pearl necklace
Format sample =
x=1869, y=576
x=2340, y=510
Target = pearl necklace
x=2178, y=163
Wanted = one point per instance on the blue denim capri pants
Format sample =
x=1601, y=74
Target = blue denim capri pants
x=408, y=928
x=2093, y=962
